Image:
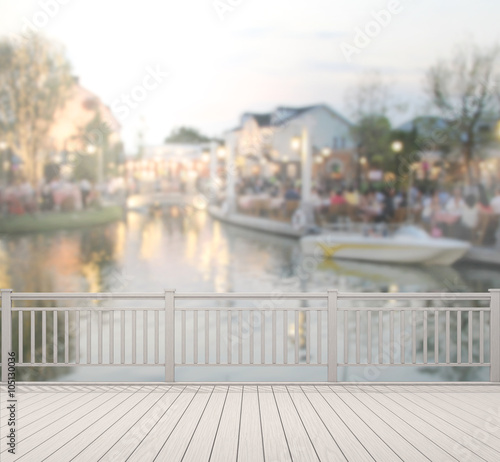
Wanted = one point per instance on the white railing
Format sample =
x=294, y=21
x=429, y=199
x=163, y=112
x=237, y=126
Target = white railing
x=331, y=329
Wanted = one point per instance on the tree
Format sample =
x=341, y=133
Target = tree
x=462, y=89
x=186, y=135
x=369, y=103
x=34, y=82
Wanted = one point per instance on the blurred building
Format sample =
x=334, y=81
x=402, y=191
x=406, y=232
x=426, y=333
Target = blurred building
x=269, y=144
x=81, y=108
x=175, y=162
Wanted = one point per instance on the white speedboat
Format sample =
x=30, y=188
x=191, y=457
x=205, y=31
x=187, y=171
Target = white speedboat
x=408, y=244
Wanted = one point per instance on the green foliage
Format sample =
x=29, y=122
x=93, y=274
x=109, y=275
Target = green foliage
x=186, y=135
x=34, y=82
x=463, y=89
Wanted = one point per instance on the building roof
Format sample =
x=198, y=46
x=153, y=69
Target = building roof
x=284, y=114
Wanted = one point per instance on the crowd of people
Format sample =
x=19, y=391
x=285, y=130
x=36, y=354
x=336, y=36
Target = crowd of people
x=470, y=213
x=57, y=195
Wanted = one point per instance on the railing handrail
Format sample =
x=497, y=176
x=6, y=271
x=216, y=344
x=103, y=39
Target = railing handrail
x=25, y=296
x=333, y=327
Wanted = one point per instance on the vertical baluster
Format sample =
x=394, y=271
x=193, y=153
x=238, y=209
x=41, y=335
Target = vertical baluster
x=447, y=336
x=319, y=334
x=369, y=337
x=111, y=337
x=436, y=336
x=380, y=337
x=54, y=336
x=402, y=335
x=217, y=335
x=183, y=339
x=240, y=337
x=262, y=338
x=66, y=337
x=358, y=347
x=122, y=335
x=32, y=345
x=459, y=337
x=425, y=336
x=414, y=336
x=44, y=336
x=89, y=336
x=229, y=338
x=20, y=326
x=296, y=329
x=391, y=338
x=469, y=337
x=308, y=337
x=195, y=338
x=251, y=337
x=157, y=336
x=481, y=337
x=274, y=336
x=77, y=340
x=145, y=337
x=333, y=362
x=207, y=337
x=285, y=337
x=346, y=337
x=134, y=336
x=99, y=336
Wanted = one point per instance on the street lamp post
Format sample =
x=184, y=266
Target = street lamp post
x=397, y=147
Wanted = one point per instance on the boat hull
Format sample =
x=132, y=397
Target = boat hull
x=385, y=250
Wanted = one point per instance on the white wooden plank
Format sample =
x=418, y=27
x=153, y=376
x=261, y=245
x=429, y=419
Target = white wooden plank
x=226, y=441
x=176, y=443
x=154, y=416
x=425, y=428
x=385, y=422
x=112, y=435
x=480, y=423
x=299, y=443
x=378, y=448
x=324, y=444
x=250, y=446
x=275, y=444
x=462, y=401
x=50, y=437
x=345, y=439
x=459, y=431
x=96, y=428
x=41, y=408
x=203, y=438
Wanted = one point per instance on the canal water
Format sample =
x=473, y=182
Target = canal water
x=191, y=252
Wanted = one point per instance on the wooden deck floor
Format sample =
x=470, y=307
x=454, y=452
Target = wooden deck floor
x=255, y=423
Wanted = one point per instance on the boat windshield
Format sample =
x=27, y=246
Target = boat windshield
x=411, y=231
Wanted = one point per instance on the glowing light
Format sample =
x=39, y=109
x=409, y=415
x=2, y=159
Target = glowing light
x=363, y=160
x=325, y=151
x=221, y=152
x=397, y=146
x=295, y=143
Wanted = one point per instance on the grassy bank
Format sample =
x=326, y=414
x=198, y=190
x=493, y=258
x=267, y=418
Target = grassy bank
x=53, y=221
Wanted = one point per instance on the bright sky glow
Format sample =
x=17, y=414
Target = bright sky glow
x=263, y=53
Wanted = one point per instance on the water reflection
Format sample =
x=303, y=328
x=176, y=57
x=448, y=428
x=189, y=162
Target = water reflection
x=189, y=251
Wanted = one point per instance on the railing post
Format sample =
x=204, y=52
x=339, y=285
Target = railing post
x=6, y=331
x=170, y=335
x=332, y=335
x=495, y=335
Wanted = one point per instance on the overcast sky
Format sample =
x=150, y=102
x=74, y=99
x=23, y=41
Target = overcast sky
x=249, y=57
